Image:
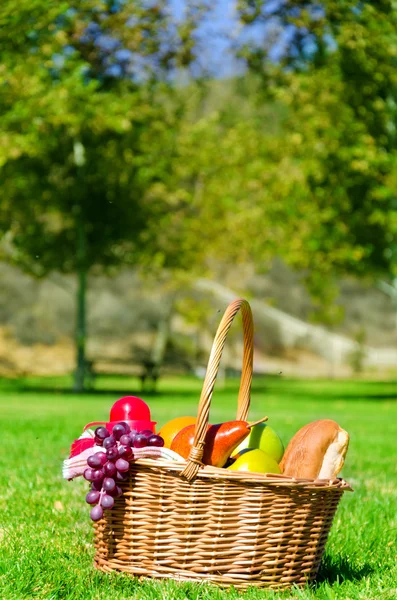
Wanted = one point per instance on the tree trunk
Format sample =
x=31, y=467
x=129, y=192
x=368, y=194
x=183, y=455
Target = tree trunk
x=80, y=336
x=390, y=289
x=155, y=361
x=162, y=336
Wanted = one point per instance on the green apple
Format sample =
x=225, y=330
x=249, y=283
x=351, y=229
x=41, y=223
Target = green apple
x=264, y=438
x=255, y=461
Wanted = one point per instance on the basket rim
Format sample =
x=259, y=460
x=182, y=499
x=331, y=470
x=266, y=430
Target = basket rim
x=265, y=479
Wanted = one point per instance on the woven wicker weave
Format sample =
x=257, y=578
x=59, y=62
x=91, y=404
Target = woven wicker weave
x=192, y=522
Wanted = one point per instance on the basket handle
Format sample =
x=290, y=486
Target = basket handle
x=197, y=451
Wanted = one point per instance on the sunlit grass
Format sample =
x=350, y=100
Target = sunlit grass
x=45, y=533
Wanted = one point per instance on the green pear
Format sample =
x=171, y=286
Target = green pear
x=255, y=461
x=264, y=438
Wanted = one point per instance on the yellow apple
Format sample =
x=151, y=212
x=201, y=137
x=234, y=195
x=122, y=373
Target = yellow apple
x=263, y=437
x=255, y=461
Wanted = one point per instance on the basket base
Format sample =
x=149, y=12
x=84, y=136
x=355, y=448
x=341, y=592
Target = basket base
x=300, y=581
x=226, y=532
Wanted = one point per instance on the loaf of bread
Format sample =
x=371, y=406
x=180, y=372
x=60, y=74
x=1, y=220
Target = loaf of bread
x=317, y=451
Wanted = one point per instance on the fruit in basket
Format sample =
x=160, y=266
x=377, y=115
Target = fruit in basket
x=156, y=440
x=255, y=461
x=264, y=438
x=106, y=468
x=107, y=501
x=170, y=429
x=93, y=497
x=96, y=513
x=119, y=430
x=220, y=441
x=317, y=451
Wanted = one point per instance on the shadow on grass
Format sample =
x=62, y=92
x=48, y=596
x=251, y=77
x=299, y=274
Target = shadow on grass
x=339, y=569
x=335, y=397
x=329, y=392
x=269, y=385
x=22, y=387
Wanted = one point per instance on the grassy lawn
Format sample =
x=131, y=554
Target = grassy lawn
x=45, y=532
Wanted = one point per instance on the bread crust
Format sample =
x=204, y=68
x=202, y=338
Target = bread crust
x=317, y=451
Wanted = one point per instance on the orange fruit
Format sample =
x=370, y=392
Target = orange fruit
x=173, y=427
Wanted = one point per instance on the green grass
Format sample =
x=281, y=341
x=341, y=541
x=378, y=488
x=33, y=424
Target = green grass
x=45, y=532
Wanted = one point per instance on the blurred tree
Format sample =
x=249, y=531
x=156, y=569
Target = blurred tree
x=86, y=131
x=335, y=74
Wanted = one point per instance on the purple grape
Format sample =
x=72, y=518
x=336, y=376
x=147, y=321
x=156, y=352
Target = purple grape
x=125, y=452
x=140, y=441
x=110, y=469
x=112, y=453
x=112, y=493
x=156, y=440
x=101, y=433
x=122, y=476
x=126, y=426
x=103, y=458
x=96, y=485
x=118, y=431
x=97, y=475
x=125, y=440
x=109, y=442
x=92, y=497
x=122, y=465
x=96, y=513
x=97, y=460
x=107, y=501
x=132, y=435
x=94, y=462
x=116, y=492
x=98, y=441
x=146, y=432
x=88, y=473
x=108, y=484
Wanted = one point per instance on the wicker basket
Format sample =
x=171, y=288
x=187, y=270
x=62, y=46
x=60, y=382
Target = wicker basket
x=192, y=522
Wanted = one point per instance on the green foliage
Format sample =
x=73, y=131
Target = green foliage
x=296, y=159
x=339, y=130
x=83, y=150
x=120, y=129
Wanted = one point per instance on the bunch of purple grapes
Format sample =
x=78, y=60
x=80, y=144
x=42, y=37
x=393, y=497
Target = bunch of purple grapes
x=108, y=467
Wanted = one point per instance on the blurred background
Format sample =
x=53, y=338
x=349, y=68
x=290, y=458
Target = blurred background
x=160, y=158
